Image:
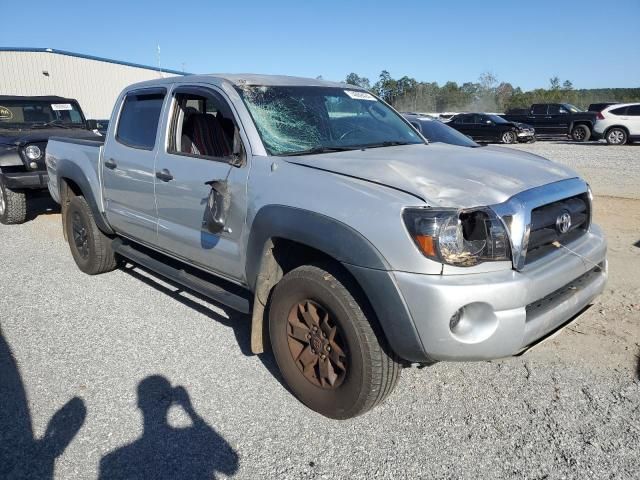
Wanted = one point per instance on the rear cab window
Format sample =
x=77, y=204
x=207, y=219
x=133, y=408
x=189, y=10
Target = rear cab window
x=139, y=118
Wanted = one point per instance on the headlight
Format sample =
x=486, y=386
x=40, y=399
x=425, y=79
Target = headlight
x=458, y=237
x=33, y=152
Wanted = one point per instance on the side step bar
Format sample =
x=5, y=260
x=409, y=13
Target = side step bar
x=211, y=287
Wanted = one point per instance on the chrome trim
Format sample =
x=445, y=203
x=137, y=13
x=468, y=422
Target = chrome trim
x=520, y=206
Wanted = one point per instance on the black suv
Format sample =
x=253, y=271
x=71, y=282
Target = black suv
x=26, y=123
x=556, y=119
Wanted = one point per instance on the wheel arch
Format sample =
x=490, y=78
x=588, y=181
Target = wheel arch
x=283, y=238
x=621, y=127
x=72, y=181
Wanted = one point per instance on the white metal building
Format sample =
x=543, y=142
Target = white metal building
x=95, y=82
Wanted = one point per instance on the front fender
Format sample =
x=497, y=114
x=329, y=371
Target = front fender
x=10, y=156
x=355, y=252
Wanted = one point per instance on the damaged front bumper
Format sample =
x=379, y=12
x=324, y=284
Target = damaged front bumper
x=491, y=315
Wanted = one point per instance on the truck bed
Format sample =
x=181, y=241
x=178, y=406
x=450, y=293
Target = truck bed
x=84, y=154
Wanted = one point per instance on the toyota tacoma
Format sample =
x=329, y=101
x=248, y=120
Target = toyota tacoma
x=355, y=246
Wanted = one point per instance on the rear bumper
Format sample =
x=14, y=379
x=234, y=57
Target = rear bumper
x=25, y=180
x=504, y=312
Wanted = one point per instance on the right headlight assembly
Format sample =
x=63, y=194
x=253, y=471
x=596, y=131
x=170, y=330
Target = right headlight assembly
x=462, y=238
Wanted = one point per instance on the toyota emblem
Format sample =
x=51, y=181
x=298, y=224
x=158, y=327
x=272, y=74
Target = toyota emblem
x=563, y=222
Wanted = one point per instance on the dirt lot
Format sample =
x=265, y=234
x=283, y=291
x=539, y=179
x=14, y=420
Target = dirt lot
x=103, y=346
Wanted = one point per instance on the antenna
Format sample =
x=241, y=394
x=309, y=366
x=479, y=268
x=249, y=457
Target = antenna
x=159, y=67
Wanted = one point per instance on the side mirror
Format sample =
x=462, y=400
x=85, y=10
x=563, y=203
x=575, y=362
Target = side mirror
x=218, y=204
x=92, y=124
x=489, y=122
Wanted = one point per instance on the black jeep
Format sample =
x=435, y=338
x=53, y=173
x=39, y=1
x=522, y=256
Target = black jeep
x=26, y=123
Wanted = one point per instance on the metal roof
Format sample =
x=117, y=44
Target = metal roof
x=89, y=57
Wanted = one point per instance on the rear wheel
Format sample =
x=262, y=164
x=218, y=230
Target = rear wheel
x=581, y=133
x=616, y=136
x=13, y=205
x=91, y=249
x=329, y=352
x=509, y=137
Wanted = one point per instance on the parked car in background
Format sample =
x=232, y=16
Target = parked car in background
x=435, y=131
x=598, y=107
x=619, y=124
x=556, y=119
x=484, y=127
x=26, y=123
x=320, y=211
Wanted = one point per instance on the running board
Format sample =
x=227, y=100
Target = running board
x=205, y=284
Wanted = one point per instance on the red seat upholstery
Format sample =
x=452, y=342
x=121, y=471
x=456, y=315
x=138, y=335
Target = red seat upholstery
x=202, y=134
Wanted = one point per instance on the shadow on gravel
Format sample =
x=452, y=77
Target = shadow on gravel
x=21, y=454
x=163, y=451
x=637, y=244
x=41, y=204
x=240, y=323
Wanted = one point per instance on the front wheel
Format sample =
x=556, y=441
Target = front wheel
x=330, y=354
x=90, y=248
x=509, y=137
x=581, y=133
x=13, y=205
x=616, y=136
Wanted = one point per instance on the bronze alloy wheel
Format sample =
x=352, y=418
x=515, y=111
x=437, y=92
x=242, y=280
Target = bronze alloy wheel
x=316, y=345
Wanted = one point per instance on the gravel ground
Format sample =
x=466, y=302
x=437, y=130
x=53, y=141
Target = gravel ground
x=612, y=171
x=97, y=345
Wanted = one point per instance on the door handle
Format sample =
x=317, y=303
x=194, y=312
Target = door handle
x=164, y=175
x=110, y=163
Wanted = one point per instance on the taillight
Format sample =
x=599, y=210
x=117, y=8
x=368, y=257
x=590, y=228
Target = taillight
x=599, y=116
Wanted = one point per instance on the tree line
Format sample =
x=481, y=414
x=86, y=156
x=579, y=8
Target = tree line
x=487, y=94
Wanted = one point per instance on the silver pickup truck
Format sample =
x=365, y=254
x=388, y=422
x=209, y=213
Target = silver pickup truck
x=356, y=247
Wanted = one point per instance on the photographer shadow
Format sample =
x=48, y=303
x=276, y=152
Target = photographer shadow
x=167, y=452
x=22, y=455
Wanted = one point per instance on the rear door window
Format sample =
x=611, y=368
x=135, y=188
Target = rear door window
x=539, y=110
x=139, y=118
x=634, y=110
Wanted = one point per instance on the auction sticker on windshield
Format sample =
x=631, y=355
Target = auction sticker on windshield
x=356, y=95
x=5, y=113
x=61, y=106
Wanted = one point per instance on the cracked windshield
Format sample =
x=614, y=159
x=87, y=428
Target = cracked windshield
x=308, y=120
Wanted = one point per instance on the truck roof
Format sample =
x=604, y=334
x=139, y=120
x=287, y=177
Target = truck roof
x=237, y=79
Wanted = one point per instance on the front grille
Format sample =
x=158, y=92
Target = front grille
x=544, y=231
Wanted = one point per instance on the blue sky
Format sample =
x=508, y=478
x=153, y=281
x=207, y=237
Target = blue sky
x=524, y=42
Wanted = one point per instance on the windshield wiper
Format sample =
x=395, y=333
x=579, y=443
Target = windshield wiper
x=52, y=123
x=386, y=144
x=317, y=150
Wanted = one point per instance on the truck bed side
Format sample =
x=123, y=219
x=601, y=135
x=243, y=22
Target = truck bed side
x=79, y=164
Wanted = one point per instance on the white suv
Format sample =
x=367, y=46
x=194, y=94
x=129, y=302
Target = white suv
x=619, y=124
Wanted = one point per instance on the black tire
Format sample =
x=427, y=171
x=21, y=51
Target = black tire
x=91, y=249
x=370, y=370
x=13, y=205
x=616, y=136
x=581, y=133
x=509, y=137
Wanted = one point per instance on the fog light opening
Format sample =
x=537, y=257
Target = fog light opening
x=33, y=165
x=473, y=323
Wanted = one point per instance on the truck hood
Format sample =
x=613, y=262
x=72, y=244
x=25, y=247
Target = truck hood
x=444, y=175
x=22, y=137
